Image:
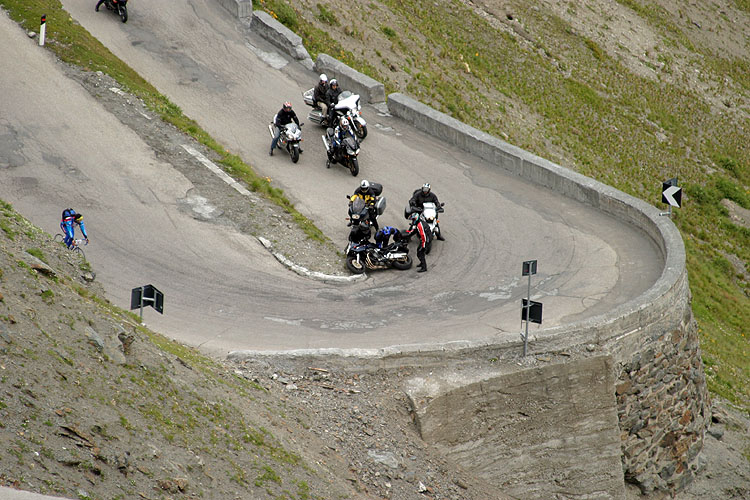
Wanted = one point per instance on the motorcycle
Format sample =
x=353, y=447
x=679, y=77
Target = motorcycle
x=345, y=154
x=119, y=6
x=360, y=211
x=289, y=139
x=348, y=105
x=428, y=214
x=366, y=255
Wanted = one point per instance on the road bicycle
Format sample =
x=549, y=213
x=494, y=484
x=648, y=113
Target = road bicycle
x=76, y=248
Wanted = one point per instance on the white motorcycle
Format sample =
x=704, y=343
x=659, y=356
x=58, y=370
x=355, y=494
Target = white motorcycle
x=348, y=105
x=289, y=139
x=429, y=215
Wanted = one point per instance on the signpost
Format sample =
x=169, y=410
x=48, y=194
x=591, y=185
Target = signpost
x=146, y=295
x=671, y=194
x=530, y=311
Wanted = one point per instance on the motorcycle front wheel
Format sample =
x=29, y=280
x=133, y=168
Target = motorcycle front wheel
x=354, y=166
x=354, y=265
x=402, y=264
x=360, y=130
x=295, y=154
x=123, y=11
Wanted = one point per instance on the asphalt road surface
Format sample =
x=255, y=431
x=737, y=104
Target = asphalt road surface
x=223, y=291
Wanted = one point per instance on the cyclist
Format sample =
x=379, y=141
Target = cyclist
x=70, y=219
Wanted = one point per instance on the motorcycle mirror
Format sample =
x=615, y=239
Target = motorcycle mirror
x=442, y=204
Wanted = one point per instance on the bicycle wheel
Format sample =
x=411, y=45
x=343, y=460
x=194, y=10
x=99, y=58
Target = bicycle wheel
x=58, y=238
x=78, y=250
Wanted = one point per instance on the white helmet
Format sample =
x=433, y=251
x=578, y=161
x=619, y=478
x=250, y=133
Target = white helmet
x=344, y=123
x=426, y=187
x=323, y=77
x=334, y=82
x=365, y=184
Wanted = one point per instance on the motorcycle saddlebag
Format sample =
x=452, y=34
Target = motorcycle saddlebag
x=380, y=204
x=376, y=188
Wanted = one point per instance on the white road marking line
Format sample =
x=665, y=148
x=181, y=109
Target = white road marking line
x=216, y=170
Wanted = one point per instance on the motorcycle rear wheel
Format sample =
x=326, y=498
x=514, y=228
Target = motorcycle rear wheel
x=403, y=264
x=295, y=154
x=354, y=167
x=354, y=265
x=123, y=11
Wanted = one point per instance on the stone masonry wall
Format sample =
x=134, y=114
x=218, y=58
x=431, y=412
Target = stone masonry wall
x=663, y=409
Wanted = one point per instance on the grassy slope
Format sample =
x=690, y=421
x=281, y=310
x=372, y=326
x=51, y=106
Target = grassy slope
x=588, y=112
x=164, y=421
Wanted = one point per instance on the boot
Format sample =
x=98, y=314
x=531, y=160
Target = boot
x=421, y=269
x=440, y=237
x=270, y=153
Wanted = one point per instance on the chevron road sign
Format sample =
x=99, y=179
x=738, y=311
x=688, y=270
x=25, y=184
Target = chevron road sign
x=671, y=194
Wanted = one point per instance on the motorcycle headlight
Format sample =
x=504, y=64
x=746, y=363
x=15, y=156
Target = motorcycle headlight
x=355, y=217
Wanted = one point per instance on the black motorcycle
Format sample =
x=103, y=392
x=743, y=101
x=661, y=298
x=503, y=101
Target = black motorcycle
x=344, y=154
x=119, y=6
x=366, y=255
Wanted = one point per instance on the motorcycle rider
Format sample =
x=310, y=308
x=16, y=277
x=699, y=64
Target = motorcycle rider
x=383, y=236
x=418, y=226
x=319, y=95
x=337, y=140
x=332, y=98
x=425, y=195
x=368, y=194
x=284, y=116
x=68, y=221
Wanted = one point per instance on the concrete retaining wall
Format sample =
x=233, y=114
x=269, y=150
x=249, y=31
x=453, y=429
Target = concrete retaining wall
x=370, y=90
x=239, y=8
x=278, y=34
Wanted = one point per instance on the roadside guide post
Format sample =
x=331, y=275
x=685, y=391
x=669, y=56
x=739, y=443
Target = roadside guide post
x=43, y=30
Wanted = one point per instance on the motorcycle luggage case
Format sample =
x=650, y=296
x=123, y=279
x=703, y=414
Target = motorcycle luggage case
x=376, y=188
x=380, y=204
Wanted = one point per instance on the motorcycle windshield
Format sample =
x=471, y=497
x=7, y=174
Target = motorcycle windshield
x=347, y=101
x=351, y=144
x=358, y=207
x=291, y=127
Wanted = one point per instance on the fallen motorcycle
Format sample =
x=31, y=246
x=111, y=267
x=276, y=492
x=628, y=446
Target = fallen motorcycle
x=367, y=256
x=120, y=7
x=344, y=154
x=348, y=105
x=289, y=139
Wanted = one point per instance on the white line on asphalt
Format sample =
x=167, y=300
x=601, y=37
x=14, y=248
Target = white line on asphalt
x=222, y=175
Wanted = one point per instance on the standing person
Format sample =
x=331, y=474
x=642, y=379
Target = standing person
x=319, y=95
x=418, y=226
x=332, y=98
x=425, y=195
x=284, y=116
x=70, y=219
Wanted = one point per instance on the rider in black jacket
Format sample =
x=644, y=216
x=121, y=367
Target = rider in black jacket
x=425, y=195
x=284, y=116
x=319, y=94
x=332, y=98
